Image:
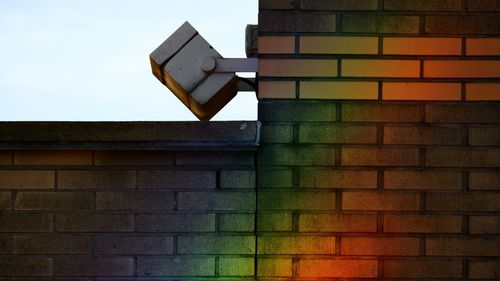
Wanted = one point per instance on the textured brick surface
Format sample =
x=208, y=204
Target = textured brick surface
x=276, y=90
x=51, y=244
x=455, y=157
x=431, y=268
x=276, y=45
x=422, y=46
x=337, y=134
x=236, y=267
x=242, y=201
x=25, y=266
x=484, y=136
x=176, y=179
x=142, y=201
x=422, y=135
x=5, y=200
x=268, y=222
x=380, y=201
x=338, y=268
x=296, y=245
x=275, y=4
x=353, y=156
x=338, y=90
x=175, y=222
x=465, y=202
x=290, y=112
x=482, y=91
x=484, y=224
x=84, y=266
x=14, y=179
x=380, y=68
x=422, y=91
x=462, y=24
x=483, y=5
x=328, y=178
x=339, y=5
x=394, y=246
x=237, y=179
x=214, y=158
x=65, y=157
x=461, y=69
x=280, y=21
x=286, y=200
x=133, y=158
x=484, y=181
x=462, y=113
x=94, y=222
x=422, y=224
x=237, y=222
x=96, y=179
x=373, y=23
x=53, y=201
x=133, y=245
x=276, y=178
x=484, y=269
x=460, y=246
x=338, y=45
x=216, y=245
x=274, y=267
x=179, y=266
x=423, y=5
x=25, y=222
x=483, y=46
x=276, y=134
x=426, y=180
x=296, y=155
x=364, y=112
x=297, y=68
x=337, y=223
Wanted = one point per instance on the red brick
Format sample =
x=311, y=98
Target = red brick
x=380, y=201
x=53, y=201
x=74, y=222
x=214, y=245
x=276, y=90
x=296, y=245
x=483, y=5
x=141, y=201
x=459, y=157
x=484, y=224
x=338, y=268
x=274, y=267
x=473, y=24
x=424, y=180
x=424, y=135
x=373, y=112
x=483, y=46
x=274, y=222
x=422, y=91
x=25, y=266
x=178, y=266
x=338, y=90
x=298, y=200
x=51, y=244
x=482, y=91
x=368, y=156
x=328, y=178
x=181, y=179
x=337, y=134
x=423, y=5
x=484, y=181
x=384, y=246
x=338, y=45
x=92, y=266
x=484, y=269
x=339, y=5
x=422, y=224
x=25, y=222
x=463, y=202
x=428, y=268
x=337, y=223
x=422, y=46
x=175, y=222
x=380, y=68
x=26, y=179
x=5, y=158
x=484, y=136
x=462, y=246
x=133, y=245
x=379, y=23
x=96, y=179
x=276, y=45
x=461, y=69
x=297, y=68
x=53, y=157
x=133, y=158
x=462, y=113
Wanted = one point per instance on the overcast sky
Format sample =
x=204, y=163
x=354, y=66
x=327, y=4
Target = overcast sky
x=89, y=59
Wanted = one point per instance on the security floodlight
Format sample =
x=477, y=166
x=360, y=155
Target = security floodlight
x=196, y=73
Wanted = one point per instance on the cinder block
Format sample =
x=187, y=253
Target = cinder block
x=337, y=223
x=371, y=156
x=53, y=201
x=484, y=181
x=26, y=179
x=276, y=90
x=215, y=245
x=338, y=90
x=134, y=158
x=339, y=5
x=422, y=223
x=139, y=201
x=328, y=178
x=462, y=246
x=274, y=222
x=236, y=222
x=423, y=268
x=275, y=178
x=293, y=155
x=97, y=179
x=338, y=268
x=344, y=45
x=463, y=202
x=315, y=133
x=214, y=158
x=484, y=224
x=74, y=222
x=380, y=201
x=217, y=201
x=25, y=266
x=296, y=245
x=484, y=136
x=483, y=46
x=170, y=179
x=288, y=21
x=372, y=112
x=461, y=68
x=175, y=222
x=276, y=134
x=274, y=267
x=237, y=179
x=53, y=157
x=236, y=267
x=422, y=180
x=298, y=200
x=484, y=269
x=379, y=246
x=304, y=111
x=297, y=68
x=375, y=23
x=462, y=113
x=423, y=5
x=51, y=244
x=25, y=222
x=276, y=44
x=178, y=266
x=133, y=245
x=92, y=266
x=422, y=135
x=471, y=24
x=482, y=91
x=5, y=201
x=380, y=68
x=421, y=91
x=459, y=157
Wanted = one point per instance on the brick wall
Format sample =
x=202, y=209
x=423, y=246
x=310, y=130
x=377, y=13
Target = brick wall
x=380, y=151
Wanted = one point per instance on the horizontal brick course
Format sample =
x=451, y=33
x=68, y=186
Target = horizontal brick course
x=216, y=245
x=284, y=21
x=338, y=268
x=276, y=90
x=374, y=23
x=53, y=157
x=276, y=133
x=484, y=269
x=423, y=5
x=337, y=223
x=236, y=222
x=484, y=136
x=461, y=69
x=275, y=178
x=380, y=68
x=294, y=112
x=214, y=158
x=75, y=222
x=178, y=266
x=25, y=222
x=484, y=224
x=422, y=46
x=25, y=266
x=53, y=201
x=296, y=155
x=339, y=5
x=424, y=135
x=91, y=266
x=6, y=157
x=5, y=244
x=328, y=178
x=484, y=181
x=297, y=68
x=421, y=91
x=463, y=202
x=361, y=156
x=276, y=44
x=5, y=200
x=296, y=245
x=370, y=112
x=133, y=245
x=176, y=179
x=337, y=134
x=175, y=222
x=422, y=224
x=462, y=113
x=462, y=246
x=385, y=246
x=237, y=179
x=221, y=201
x=338, y=45
x=140, y=201
x=423, y=268
x=424, y=180
x=457, y=157
x=380, y=201
x=338, y=90
x=482, y=91
x=51, y=244
x=133, y=158
x=274, y=267
x=483, y=46
x=472, y=24
x=275, y=4
x=270, y=222
x=483, y=5
x=96, y=179
x=305, y=200
x=26, y=179
x=236, y=267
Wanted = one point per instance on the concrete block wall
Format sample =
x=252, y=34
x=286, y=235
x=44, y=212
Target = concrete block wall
x=380, y=155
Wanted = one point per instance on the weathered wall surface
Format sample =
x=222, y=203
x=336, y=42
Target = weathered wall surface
x=380, y=141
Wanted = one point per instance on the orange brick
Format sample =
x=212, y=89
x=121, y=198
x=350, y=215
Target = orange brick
x=421, y=91
x=337, y=223
x=422, y=180
x=338, y=268
x=422, y=224
x=354, y=156
x=422, y=46
x=482, y=91
x=380, y=201
x=433, y=268
x=339, y=90
x=298, y=68
x=461, y=69
x=270, y=267
x=296, y=245
x=276, y=45
x=53, y=157
x=483, y=46
x=381, y=68
x=5, y=158
x=276, y=90
x=462, y=246
x=338, y=45
x=393, y=246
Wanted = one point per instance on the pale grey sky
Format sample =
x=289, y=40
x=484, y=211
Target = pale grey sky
x=72, y=60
